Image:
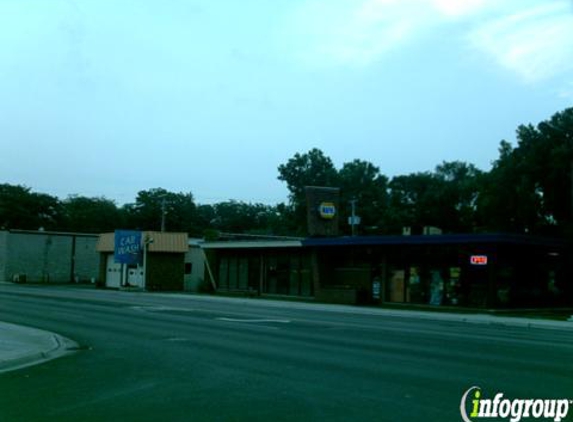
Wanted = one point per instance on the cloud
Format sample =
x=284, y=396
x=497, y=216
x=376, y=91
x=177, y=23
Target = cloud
x=531, y=38
x=535, y=43
x=350, y=33
x=359, y=32
x=457, y=8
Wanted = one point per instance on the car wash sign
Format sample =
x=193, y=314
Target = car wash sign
x=127, y=247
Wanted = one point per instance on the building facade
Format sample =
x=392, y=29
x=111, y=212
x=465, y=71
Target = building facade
x=48, y=257
x=162, y=267
x=475, y=270
x=261, y=267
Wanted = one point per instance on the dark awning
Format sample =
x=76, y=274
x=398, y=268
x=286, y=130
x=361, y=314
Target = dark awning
x=444, y=239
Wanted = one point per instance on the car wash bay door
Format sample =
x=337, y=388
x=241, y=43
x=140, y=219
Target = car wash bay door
x=122, y=276
x=113, y=273
x=134, y=275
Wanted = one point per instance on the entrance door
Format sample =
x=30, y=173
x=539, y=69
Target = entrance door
x=135, y=276
x=396, y=286
x=112, y=273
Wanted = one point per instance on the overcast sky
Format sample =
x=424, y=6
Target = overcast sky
x=109, y=97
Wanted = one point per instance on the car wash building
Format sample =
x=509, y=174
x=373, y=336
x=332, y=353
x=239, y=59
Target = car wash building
x=145, y=260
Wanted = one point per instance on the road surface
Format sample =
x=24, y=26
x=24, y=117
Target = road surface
x=149, y=357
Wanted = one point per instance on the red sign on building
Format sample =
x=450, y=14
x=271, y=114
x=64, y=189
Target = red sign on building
x=478, y=259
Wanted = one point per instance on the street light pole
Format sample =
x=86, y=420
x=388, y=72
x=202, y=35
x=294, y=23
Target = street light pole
x=144, y=264
x=353, y=217
x=146, y=241
x=163, y=212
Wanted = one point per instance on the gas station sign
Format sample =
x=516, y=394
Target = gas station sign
x=327, y=210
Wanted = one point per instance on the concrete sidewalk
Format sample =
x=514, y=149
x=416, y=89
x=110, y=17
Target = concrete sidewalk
x=22, y=346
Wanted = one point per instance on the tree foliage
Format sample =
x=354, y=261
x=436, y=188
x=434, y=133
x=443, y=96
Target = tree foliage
x=90, y=215
x=414, y=200
x=22, y=209
x=459, y=184
x=177, y=211
x=240, y=217
x=361, y=181
x=309, y=169
x=529, y=188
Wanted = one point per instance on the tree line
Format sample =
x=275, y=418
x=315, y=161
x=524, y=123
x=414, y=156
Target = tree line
x=528, y=190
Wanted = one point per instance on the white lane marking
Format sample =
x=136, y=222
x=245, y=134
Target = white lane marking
x=177, y=339
x=160, y=309
x=281, y=321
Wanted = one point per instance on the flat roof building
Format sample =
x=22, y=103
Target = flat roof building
x=465, y=270
x=38, y=256
x=162, y=266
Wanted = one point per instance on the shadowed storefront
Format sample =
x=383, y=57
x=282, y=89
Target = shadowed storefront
x=473, y=270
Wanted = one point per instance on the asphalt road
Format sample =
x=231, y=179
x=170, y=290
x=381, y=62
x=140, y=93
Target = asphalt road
x=146, y=357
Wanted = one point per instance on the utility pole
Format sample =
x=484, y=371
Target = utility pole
x=163, y=212
x=146, y=242
x=353, y=217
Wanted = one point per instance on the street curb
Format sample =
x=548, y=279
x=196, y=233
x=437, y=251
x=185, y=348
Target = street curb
x=58, y=346
x=468, y=318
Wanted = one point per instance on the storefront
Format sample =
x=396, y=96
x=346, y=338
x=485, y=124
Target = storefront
x=261, y=267
x=473, y=271
x=478, y=270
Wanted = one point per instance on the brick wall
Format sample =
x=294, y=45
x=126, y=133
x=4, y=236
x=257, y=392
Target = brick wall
x=86, y=258
x=47, y=257
x=41, y=257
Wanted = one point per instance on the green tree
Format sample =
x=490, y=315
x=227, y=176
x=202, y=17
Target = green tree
x=22, y=209
x=362, y=181
x=414, y=200
x=241, y=217
x=310, y=169
x=529, y=188
x=446, y=198
x=458, y=195
x=506, y=199
x=91, y=215
x=151, y=206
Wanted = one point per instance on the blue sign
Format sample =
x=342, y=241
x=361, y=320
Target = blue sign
x=127, y=248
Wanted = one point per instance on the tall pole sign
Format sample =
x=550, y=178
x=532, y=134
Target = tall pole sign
x=322, y=210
